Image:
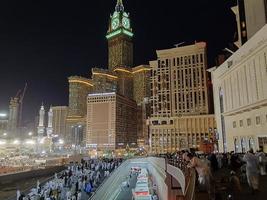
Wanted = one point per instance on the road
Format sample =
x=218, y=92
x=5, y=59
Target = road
x=126, y=192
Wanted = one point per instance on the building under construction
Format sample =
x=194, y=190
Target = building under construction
x=15, y=114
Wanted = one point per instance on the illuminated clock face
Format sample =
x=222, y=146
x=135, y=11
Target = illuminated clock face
x=115, y=14
x=115, y=23
x=125, y=22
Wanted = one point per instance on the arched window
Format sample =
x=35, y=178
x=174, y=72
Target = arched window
x=236, y=145
x=251, y=143
x=243, y=145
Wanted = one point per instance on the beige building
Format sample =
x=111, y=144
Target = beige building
x=141, y=82
x=256, y=15
x=125, y=81
x=141, y=94
x=251, y=16
x=111, y=122
x=104, y=81
x=79, y=88
x=240, y=96
x=180, y=99
x=60, y=114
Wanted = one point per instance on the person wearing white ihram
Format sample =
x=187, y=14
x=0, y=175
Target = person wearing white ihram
x=252, y=170
x=262, y=161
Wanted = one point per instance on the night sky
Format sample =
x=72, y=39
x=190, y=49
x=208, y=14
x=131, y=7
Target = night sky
x=44, y=42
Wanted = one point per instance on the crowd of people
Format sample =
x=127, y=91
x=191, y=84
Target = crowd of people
x=77, y=182
x=16, y=161
x=239, y=167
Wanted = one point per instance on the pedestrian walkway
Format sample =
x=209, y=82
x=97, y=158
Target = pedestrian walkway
x=78, y=182
x=126, y=192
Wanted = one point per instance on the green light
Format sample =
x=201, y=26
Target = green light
x=114, y=33
x=125, y=14
x=119, y=31
x=128, y=33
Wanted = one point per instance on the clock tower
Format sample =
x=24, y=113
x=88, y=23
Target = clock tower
x=119, y=36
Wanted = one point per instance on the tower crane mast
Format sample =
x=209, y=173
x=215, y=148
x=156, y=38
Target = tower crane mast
x=21, y=98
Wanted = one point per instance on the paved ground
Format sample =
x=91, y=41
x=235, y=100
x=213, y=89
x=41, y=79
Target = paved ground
x=246, y=193
x=126, y=193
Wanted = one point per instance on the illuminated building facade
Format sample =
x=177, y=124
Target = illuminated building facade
x=49, y=129
x=60, y=114
x=180, y=99
x=104, y=81
x=41, y=124
x=141, y=82
x=119, y=78
x=79, y=88
x=240, y=96
x=111, y=122
x=141, y=94
x=125, y=81
x=119, y=36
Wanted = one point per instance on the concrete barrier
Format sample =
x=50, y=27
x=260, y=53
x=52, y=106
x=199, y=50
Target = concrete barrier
x=9, y=178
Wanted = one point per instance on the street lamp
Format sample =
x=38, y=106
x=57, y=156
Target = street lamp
x=4, y=134
x=30, y=133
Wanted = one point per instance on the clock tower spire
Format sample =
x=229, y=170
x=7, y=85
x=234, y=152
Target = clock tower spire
x=119, y=7
x=119, y=36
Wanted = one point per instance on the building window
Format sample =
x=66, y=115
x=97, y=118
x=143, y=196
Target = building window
x=258, y=120
x=167, y=63
x=234, y=124
x=241, y=123
x=201, y=57
x=249, y=122
x=163, y=122
x=265, y=59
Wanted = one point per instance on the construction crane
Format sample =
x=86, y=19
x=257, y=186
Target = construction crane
x=21, y=104
x=179, y=44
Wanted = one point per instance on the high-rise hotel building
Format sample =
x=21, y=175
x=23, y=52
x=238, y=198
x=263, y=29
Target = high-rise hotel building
x=141, y=94
x=129, y=83
x=60, y=114
x=111, y=122
x=180, y=99
x=79, y=88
